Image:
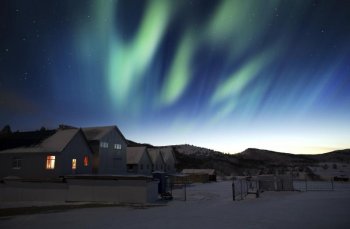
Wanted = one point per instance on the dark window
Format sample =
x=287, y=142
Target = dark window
x=17, y=163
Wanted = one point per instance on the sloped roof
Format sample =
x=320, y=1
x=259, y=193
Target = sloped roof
x=24, y=139
x=134, y=154
x=167, y=154
x=154, y=154
x=96, y=133
x=199, y=171
x=52, y=143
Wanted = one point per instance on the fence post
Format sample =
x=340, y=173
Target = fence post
x=185, y=192
x=233, y=191
x=332, y=184
x=241, y=190
x=305, y=185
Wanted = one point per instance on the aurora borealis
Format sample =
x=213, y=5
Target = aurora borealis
x=226, y=75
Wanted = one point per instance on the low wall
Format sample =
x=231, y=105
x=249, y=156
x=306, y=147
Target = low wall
x=13, y=191
x=89, y=190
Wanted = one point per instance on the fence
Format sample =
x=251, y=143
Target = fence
x=177, y=186
x=312, y=185
x=242, y=186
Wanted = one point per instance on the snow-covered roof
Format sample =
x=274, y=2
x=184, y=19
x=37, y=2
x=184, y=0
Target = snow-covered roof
x=199, y=171
x=134, y=154
x=54, y=143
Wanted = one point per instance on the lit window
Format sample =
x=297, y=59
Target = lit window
x=16, y=163
x=50, y=162
x=74, y=164
x=86, y=161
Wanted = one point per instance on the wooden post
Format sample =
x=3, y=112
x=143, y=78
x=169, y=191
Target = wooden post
x=185, y=193
x=332, y=184
x=305, y=184
x=233, y=191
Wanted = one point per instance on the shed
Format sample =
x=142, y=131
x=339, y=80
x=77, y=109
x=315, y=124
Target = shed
x=138, y=160
x=200, y=175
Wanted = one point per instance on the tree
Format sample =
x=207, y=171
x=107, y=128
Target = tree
x=6, y=130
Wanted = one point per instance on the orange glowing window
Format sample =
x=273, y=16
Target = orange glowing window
x=50, y=162
x=74, y=164
x=86, y=161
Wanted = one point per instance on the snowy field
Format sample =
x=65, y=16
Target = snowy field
x=208, y=206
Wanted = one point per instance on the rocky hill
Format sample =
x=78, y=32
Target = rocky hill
x=251, y=161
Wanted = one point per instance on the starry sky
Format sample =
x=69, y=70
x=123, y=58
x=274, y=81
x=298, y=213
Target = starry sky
x=226, y=75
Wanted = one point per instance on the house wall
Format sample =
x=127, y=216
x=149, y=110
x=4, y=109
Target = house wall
x=169, y=159
x=132, y=168
x=95, y=147
x=112, y=161
x=157, y=160
x=159, y=164
x=33, y=165
x=146, y=163
x=77, y=148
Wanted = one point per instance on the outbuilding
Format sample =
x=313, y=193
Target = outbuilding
x=200, y=175
x=138, y=160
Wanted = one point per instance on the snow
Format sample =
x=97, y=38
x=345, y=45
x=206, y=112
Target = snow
x=209, y=206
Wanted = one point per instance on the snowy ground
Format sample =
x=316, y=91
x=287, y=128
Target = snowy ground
x=208, y=206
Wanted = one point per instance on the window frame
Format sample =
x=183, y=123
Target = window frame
x=50, y=162
x=74, y=164
x=16, y=163
x=86, y=161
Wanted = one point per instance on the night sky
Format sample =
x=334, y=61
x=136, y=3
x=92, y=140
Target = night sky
x=226, y=75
